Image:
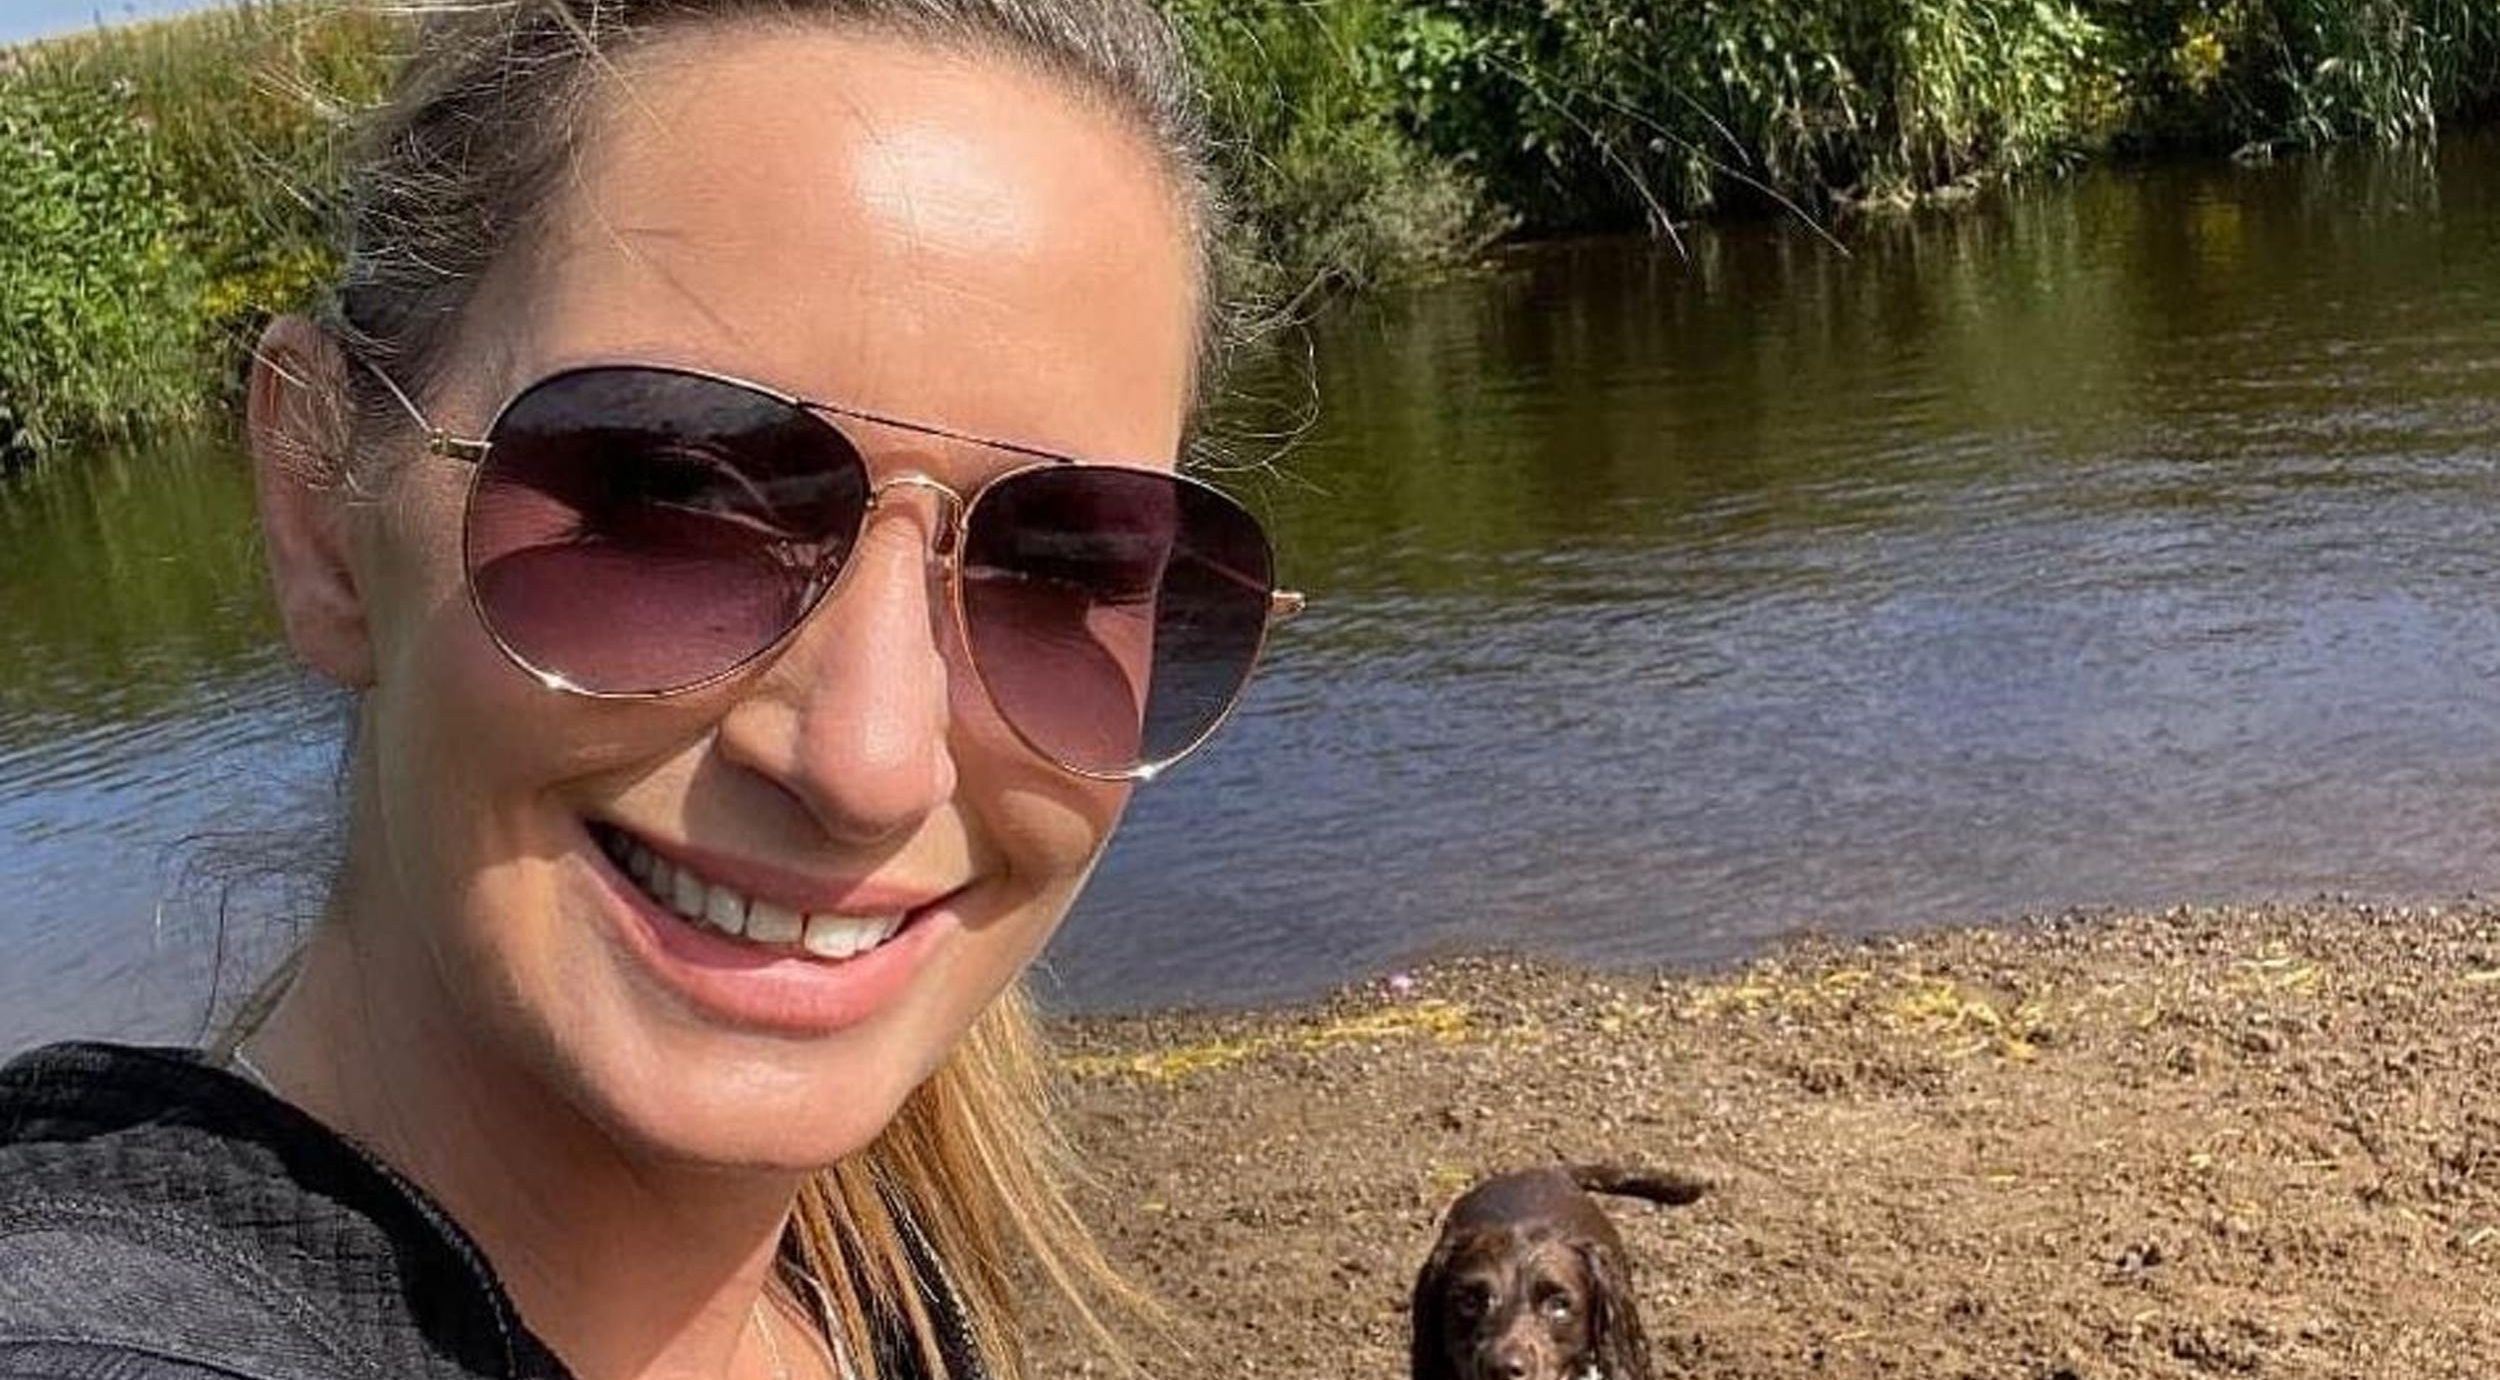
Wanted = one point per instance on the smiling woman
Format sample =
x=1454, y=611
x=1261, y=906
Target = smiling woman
x=737, y=480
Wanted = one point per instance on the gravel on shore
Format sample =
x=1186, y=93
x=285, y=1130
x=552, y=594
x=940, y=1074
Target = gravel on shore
x=2245, y=1141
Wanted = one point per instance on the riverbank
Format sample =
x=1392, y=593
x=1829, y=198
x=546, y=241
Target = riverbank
x=164, y=187
x=2204, y=1142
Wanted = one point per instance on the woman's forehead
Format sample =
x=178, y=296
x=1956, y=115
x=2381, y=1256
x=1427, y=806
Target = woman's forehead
x=904, y=229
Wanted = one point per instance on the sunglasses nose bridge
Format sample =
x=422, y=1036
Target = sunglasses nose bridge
x=950, y=530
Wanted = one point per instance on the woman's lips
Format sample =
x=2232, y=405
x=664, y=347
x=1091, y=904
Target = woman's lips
x=834, y=971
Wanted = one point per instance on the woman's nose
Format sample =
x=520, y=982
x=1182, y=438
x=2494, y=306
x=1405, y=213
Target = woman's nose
x=852, y=718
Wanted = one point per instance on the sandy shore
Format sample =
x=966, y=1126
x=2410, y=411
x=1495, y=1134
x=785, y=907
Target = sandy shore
x=2207, y=1142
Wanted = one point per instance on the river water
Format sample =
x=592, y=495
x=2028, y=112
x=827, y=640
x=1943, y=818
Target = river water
x=2130, y=539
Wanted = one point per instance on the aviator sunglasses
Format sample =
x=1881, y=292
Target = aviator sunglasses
x=634, y=531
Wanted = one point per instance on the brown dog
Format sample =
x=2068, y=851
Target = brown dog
x=1530, y=1282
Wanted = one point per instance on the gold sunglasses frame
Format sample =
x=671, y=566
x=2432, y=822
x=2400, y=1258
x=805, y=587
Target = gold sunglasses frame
x=472, y=451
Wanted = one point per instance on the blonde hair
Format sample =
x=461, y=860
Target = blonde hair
x=921, y=1231
x=976, y=1167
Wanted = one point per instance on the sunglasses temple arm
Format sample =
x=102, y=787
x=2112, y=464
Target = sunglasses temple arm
x=1281, y=603
x=437, y=440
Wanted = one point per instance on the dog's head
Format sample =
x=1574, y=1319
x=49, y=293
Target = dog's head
x=1507, y=1303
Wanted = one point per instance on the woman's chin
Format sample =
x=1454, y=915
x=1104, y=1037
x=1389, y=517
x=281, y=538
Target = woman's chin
x=665, y=1086
x=739, y=1115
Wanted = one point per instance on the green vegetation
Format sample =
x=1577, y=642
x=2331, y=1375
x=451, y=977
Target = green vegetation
x=161, y=188
x=1376, y=134
x=159, y=194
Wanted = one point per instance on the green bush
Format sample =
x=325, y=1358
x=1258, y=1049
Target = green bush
x=162, y=189
x=99, y=295
x=1314, y=123
x=1603, y=114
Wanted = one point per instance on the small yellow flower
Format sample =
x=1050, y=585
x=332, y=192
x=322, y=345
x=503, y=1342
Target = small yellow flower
x=2199, y=59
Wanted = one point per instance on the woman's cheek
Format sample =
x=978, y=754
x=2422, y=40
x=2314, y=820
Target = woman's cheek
x=1049, y=826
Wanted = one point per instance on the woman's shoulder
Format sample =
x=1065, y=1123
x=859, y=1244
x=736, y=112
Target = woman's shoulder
x=106, y=1268
x=115, y=1139
x=95, y=1133
x=151, y=1202
x=158, y=1123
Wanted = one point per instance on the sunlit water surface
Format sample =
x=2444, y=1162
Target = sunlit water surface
x=2122, y=541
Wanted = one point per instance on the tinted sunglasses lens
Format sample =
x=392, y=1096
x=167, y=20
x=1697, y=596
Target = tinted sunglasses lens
x=638, y=530
x=1113, y=614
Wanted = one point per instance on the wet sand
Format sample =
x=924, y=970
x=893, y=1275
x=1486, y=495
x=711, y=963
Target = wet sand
x=2242, y=1141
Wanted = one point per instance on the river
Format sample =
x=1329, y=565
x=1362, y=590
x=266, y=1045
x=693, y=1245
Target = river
x=2120, y=540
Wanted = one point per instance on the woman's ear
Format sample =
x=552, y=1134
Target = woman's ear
x=295, y=416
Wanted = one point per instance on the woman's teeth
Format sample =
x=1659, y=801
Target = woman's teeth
x=734, y=913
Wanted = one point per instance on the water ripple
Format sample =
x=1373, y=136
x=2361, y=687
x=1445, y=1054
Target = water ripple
x=2022, y=559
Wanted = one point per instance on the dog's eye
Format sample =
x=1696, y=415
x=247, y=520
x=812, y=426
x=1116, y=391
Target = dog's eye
x=1470, y=1302
x=1556, y=1306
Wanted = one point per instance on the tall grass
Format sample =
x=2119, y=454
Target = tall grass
x=161, y=191
x=1316, y=125
x=98, y=289
x=163, y=187
x=1570, y=116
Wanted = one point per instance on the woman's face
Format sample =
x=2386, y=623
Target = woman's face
x=945, y=238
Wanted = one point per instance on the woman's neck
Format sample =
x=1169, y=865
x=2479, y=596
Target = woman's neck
x=630, y=1269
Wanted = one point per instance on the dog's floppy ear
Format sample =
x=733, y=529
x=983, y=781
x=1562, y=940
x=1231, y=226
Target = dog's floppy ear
x=1428, y=1356
x=1617, y=1346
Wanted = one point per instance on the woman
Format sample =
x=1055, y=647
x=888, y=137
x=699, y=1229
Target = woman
x=737, y=486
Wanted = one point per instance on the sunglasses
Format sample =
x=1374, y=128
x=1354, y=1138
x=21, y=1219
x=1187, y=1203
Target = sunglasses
x=634, y=531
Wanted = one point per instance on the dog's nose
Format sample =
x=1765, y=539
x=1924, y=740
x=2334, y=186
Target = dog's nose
x=1513, y=1365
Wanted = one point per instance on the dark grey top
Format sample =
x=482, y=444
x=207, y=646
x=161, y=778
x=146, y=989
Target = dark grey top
x=161, y=1219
